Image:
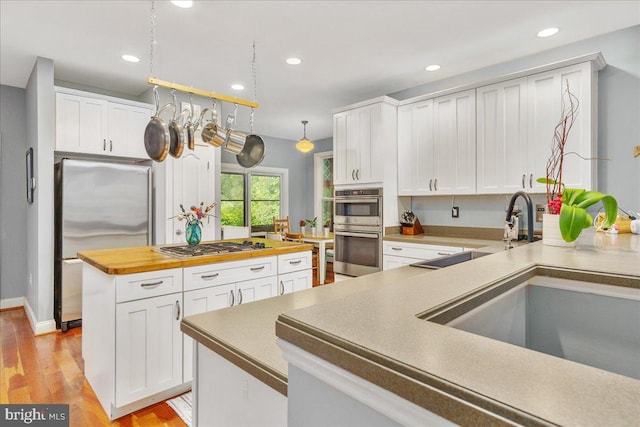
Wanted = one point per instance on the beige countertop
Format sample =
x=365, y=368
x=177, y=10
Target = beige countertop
x=465, y=242
x=468, y=376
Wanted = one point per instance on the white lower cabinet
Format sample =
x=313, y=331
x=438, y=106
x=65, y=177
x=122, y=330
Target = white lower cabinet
x=134, y=351
x=399, y=254
x=148, y=347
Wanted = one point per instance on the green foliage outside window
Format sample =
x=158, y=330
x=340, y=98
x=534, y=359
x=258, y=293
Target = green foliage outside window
x=264, y=200
x=232, y=199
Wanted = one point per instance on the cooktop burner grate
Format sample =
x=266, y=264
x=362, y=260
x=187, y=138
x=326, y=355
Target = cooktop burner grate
x=188, y=251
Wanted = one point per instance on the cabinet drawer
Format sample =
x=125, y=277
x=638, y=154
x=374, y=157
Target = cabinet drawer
x=418, y=251
x=203, y=276
x=149, y=284
x=294, y=262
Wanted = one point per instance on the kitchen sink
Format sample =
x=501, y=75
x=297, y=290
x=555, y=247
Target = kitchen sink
x=448, y=260
x=593, y=320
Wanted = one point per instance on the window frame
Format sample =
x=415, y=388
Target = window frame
x=282, y=173
x=318, y=158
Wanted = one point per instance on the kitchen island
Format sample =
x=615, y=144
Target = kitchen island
x=134, y=299
x=371, y=329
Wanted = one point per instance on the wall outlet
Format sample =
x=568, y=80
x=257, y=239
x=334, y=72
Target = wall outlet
x=540, y=209
x=455, y=212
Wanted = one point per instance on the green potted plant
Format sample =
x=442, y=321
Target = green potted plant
x=313, y=224
x=567, y=206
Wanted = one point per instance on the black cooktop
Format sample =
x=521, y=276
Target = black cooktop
x=215, y=248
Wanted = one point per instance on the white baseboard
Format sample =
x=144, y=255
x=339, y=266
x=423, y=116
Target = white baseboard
x=11, y=302
x=38, y=328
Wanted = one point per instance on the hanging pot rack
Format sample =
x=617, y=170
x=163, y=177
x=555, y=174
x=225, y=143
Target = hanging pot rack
x=208, y=94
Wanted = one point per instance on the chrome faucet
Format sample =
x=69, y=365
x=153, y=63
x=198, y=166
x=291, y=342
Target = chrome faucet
x=509, y=220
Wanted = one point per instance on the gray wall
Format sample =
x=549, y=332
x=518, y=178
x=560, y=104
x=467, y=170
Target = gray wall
x=13, y=202
x=40, y=103
x=618, y=128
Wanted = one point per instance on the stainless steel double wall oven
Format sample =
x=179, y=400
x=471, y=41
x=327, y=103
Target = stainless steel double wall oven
x=358, y=231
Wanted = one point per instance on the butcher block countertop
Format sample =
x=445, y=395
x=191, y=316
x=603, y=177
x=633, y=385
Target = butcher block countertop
x=144, y=258
x=371, y=326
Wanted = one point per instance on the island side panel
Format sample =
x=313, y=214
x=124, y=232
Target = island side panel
x=224, y=394
x=98, y=333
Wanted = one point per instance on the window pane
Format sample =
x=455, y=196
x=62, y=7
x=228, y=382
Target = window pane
x=232, y=186
x=265, y=187
x=327, y=178
x=262, y=212
x=232, y=213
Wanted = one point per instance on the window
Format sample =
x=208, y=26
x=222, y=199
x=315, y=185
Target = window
x=253, y=197
x=323, y=169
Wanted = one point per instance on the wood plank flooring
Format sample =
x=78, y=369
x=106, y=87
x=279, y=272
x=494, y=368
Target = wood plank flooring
x=49, y=369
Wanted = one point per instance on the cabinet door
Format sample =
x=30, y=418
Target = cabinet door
x=192, y=180
x=370, y=150
x=296, y=281
x=415, y=149
x=353, y=144
x=201, y=301
x=389, y=262
x=256, y=289
x=455, y=143
x=148, y=347
x=546, y=94
x=502, y=137
x=126, y=130
x=81, y=124
x=340, y=149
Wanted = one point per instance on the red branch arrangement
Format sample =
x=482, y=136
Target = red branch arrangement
x=560, y=136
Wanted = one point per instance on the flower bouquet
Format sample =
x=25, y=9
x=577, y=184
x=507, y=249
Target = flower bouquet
x=193, y=219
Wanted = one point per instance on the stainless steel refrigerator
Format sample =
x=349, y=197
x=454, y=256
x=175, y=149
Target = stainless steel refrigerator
x=98, y=205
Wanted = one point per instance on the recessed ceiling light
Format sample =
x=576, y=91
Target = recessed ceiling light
x=130, y=58
x=433, y=67
x=548, y=32
x=237, y=87
x=294, y=61
x=183, y=4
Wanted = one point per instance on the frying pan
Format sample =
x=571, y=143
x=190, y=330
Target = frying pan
x=252, y=153
x=176, y=131
x=156, y=135
x=191, y=127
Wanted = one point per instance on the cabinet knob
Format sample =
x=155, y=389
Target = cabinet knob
x=178, y=232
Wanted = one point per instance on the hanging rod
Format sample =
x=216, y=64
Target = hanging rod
x=205, y=93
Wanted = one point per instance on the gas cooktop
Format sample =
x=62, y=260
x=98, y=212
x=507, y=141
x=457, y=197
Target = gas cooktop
x=215, y=248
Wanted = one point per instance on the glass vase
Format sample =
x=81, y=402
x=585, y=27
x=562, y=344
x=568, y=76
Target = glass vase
x=193, y=233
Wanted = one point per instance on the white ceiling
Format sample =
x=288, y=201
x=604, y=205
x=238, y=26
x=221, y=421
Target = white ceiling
x=351, y=50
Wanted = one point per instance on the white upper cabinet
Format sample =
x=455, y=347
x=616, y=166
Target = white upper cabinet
x=545, y=96
x=92, y=125
x=81, y=124
x=504, y=165
x=437, y=146
x=361, y=136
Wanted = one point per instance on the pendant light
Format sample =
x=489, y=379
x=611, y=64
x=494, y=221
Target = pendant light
x=304, y=144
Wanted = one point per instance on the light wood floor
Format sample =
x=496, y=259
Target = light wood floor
x=49, y=369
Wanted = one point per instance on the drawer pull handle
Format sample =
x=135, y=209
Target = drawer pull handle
x=281, y=288
x=233, y=300
x=295, y=262
x=257, y=268
x=110, y=145
x=178, y=305
x=151, y=285
x=530, y=180
x=396, y=249
x=435, y=184
x=443, y=253
x=104, y=145
x=523, y=175
x=210, y=276
x=431, y=184
x=239, y=296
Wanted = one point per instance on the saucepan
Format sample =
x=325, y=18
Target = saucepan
x=175, y=130
x=210, y=130
x=191, y=127
x=252, y=153
x=235, y=138
x=157, y=138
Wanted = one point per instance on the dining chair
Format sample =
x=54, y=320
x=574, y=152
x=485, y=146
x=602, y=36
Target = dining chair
x=281, y=225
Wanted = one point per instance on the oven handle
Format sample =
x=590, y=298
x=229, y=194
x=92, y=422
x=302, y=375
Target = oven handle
x=349, y=200
x=365, y=235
